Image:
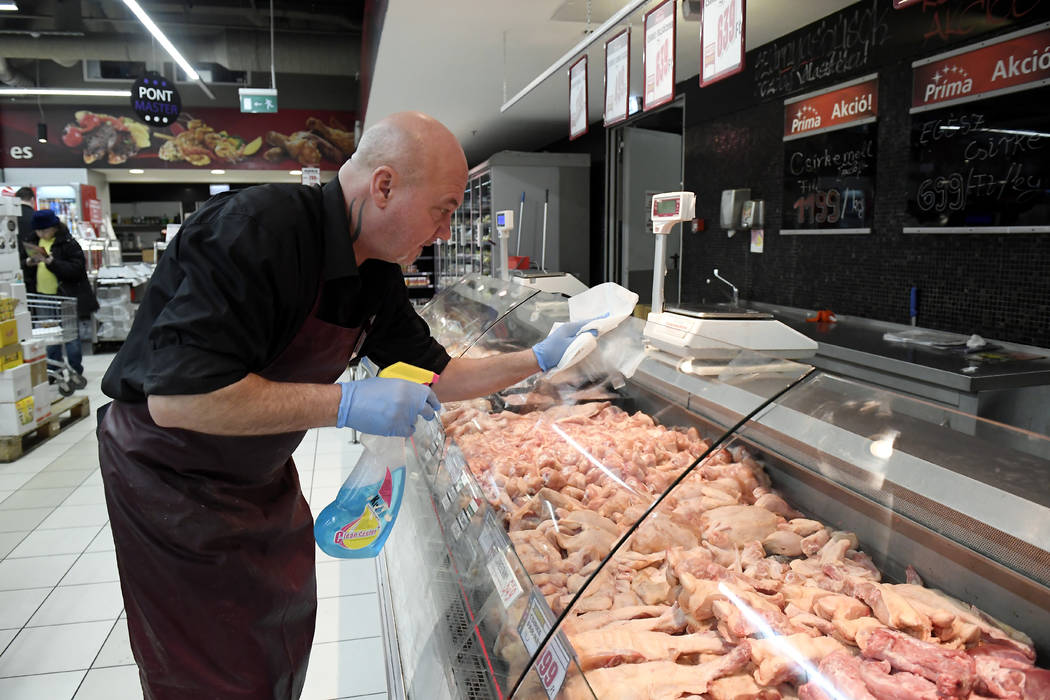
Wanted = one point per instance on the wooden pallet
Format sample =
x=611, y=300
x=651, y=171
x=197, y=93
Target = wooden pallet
x=64, y=412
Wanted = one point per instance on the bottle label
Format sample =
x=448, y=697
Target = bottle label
x=362, y=532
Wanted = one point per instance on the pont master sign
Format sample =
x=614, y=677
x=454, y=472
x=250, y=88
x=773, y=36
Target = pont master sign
x=155, y=99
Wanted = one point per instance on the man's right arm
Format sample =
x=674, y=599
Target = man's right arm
x=250, y=406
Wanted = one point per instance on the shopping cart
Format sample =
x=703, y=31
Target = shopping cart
x=55, y=322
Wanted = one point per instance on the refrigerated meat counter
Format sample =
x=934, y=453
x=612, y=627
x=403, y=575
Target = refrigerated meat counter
x=658, y=526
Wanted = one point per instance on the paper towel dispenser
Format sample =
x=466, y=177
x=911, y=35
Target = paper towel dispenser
x=732, y=204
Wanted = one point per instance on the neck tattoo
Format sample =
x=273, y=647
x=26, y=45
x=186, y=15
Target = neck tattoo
x=360, y=216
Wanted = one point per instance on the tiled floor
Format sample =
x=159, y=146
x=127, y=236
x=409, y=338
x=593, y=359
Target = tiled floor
x=62, y=630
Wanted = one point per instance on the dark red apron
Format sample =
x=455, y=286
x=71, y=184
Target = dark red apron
x=214, y=542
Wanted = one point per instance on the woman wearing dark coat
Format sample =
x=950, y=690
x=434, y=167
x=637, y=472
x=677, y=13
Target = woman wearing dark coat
x=59, y=269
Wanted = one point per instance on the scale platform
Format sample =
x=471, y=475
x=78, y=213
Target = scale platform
x=554, y=282
x=723, y=334
x=719, y=311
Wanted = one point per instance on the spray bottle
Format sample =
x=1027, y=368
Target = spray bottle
x=357, y=523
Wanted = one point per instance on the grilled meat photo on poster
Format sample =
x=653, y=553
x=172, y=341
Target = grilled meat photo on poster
x=199, y=144
x=201, y=137
x=328, y=142
x=116, y=138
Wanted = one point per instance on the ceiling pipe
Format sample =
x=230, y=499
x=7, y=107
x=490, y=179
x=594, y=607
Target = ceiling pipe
x=11, y=77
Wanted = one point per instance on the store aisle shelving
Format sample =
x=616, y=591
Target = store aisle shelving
x=63, y=633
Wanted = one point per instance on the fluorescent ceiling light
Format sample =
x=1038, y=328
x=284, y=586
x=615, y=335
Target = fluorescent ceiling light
x=8, y=6
x=71, y=92
x=162, y=38
x=295, y=172
x=218, y=172
x=136, y=171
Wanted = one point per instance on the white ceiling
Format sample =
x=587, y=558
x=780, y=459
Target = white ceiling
x=460, y=60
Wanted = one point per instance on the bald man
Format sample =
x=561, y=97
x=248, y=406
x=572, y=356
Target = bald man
x=256, y=308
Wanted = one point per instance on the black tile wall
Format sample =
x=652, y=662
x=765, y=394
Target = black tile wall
x=997, y=286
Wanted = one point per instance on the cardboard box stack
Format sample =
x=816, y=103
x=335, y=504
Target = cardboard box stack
x=19, y=375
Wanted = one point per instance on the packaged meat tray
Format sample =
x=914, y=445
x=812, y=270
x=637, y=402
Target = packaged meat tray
x=758, y=529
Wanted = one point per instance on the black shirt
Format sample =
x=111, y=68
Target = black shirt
x=235, y=285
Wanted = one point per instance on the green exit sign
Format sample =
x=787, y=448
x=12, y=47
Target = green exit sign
x=257, y=101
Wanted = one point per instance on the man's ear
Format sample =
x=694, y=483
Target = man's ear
x=382, y=185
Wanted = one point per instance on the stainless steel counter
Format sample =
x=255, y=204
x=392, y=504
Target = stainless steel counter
x=1016, y=392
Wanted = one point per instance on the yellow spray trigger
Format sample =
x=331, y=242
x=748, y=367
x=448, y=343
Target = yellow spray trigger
x=403, y=370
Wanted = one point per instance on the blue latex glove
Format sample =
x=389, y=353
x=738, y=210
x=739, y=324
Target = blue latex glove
x=550, y=350
x=385, y=407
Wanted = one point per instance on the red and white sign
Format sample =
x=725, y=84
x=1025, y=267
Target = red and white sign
x=617, y=76
x=311, y=175
x=1016, y=61
x=578, y=98
x=855, y=102
x=95, y=212
x=721, y=40
x=659, y=55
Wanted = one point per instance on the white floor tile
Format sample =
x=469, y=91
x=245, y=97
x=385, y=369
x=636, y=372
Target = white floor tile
x=87, y=603
x=117, y=683
x=12, y=481
x=76, y=516
x=79, y=458
x=53, y=649
x=103, y=541
x=36, y=498
x=349, y=577
x=347, y=617
x=29, y=464
x=95, y=478
x=5, y=638
x=345, y=669
x=86, y=495
x=117, y=649
x=56, y=479
x=22, y=518
x=53, y=686
x=10, y=540
x=34, y=572
x=44, y=542
x=16, y=607
x=93, y=567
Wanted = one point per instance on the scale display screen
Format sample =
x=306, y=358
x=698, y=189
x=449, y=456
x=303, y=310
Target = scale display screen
x=666, y=207
x=501, y=219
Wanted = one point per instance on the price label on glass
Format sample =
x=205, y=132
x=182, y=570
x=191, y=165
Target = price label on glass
x=503, y=578
x=553, y=663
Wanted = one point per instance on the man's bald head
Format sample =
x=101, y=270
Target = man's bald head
x=412, y=143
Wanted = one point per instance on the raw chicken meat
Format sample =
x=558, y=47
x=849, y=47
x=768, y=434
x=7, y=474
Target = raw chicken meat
x=954, y=672
x=707, y=596
x=657, y=680
x=612, y=646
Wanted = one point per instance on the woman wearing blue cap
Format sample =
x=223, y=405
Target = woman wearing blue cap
x=57, y=266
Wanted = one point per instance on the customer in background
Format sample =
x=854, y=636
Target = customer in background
x=54, y=264
x=25, y=219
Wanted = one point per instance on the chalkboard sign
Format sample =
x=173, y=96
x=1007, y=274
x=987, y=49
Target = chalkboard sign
x=829, y=182
x=981, y=167
x=837, y=46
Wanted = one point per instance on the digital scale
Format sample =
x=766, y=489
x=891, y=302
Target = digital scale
x=554, y=282
x=709, y=334
x=10, y=210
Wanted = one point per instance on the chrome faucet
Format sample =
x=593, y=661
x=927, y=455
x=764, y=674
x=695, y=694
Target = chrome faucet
x=736, y=295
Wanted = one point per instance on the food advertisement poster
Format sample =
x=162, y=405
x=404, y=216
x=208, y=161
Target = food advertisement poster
x=721, y=40
x=201, y=138
x=659, y=55
x=617, y=76
x=578, y=98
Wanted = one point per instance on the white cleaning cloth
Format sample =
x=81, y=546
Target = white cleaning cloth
x=608, y=298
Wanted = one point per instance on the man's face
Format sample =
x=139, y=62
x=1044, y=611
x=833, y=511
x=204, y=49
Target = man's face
x=425, y=215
